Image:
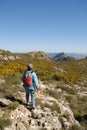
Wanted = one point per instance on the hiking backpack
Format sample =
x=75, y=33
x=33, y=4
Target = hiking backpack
x=28, y=78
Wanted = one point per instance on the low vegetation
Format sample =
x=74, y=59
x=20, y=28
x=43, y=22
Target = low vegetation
x=13, y=105
x=47, y=70
x=73, y=72
x=4, y=119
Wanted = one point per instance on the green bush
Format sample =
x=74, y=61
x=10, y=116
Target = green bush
x=77, y=105
x=13, y=105
x=75, y=127
x=52, y=93
x=4, y=119
x=4, y=123
x=53, y=106
x=11, y=80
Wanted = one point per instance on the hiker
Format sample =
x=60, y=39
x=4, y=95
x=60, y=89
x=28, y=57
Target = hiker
x=30, y=84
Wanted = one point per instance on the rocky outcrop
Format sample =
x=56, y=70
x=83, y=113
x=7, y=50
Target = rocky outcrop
x=7, y=55
x=39, y=55
x=62, y=57
x=4, y=102
x=49, y=114
x=22, y=118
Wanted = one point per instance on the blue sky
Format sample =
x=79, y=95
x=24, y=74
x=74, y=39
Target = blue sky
x=47, y=25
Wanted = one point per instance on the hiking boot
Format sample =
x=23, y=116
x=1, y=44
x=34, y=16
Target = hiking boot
x=33, y=108
x=26, y=104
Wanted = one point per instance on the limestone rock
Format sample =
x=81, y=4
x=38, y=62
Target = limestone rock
x=4, y=102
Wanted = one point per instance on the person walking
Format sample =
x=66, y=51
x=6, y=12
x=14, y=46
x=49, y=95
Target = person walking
x=30, y=84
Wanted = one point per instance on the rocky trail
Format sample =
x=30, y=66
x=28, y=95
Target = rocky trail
x=50, y=113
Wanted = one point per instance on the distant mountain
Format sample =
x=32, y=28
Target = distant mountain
x=7, y=55
x=52, y=54
x=62, y=57
x=75, y=55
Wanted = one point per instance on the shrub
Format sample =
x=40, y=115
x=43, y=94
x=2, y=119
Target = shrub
x=77, y=105
x=39, y=102
x=52, y=93
x=75, y=127
x=10, y=80
x=13, y=105
x=4, y=119
x=58, y=76
x=53, y=106
x=4, y=123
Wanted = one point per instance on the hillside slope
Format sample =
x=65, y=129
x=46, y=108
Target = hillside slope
x=60, y=100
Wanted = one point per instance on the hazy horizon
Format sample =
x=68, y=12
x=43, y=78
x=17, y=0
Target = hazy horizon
x=78, y=53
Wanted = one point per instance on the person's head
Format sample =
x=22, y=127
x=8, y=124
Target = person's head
x=30, y=67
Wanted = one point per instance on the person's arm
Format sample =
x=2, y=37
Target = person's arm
x=35, y=80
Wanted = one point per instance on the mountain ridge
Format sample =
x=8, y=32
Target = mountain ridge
x=75, y=55
x=62, y=57
x=50, y=54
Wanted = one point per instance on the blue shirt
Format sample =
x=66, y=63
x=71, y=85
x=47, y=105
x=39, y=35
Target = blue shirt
x=34, y=79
